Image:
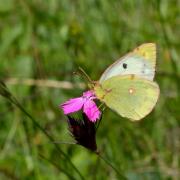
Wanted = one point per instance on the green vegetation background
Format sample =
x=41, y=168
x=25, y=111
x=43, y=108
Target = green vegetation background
x=49, y=39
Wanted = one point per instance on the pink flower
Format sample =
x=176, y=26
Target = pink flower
x=84, y=102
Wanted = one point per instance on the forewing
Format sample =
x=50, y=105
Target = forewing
x=141, y=62
x=148, y=52
x=130, y=96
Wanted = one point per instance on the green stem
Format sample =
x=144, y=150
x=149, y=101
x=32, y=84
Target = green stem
x=107, y=162
x=14, y=101
x=56, y=166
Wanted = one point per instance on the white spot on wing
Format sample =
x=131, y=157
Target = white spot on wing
x=131, y=91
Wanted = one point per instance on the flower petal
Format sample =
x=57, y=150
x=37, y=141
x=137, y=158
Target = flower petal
x=72, y=105
x=89, y=94
x=91, y=110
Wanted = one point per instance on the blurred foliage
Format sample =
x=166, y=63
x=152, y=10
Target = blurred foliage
x=49, y=39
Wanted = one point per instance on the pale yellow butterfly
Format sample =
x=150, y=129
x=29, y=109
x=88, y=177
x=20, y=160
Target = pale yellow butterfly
x=127, y=86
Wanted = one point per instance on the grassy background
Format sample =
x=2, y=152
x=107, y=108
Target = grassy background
x=49, y=39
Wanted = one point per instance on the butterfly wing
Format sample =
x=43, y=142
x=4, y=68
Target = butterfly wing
x=130, y=96
x=148, y=52
x=141, y=62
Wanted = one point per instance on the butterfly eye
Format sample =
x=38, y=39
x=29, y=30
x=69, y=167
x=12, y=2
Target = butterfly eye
x=124, y=65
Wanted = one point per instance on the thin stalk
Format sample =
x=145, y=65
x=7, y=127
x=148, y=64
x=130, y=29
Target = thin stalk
x=85, y=75
x=99, y=122
x=14, y=101
x=109, y=164
x=57, y=167
x=48, y=136
x=59, y=142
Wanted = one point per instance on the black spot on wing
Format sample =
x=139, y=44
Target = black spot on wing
x=124, y=65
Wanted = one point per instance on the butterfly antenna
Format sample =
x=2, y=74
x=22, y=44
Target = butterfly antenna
x=82, y=72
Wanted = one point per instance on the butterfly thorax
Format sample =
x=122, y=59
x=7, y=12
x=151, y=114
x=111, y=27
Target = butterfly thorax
x=101, y=92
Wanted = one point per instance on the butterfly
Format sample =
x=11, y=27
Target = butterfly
x=127, y=86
